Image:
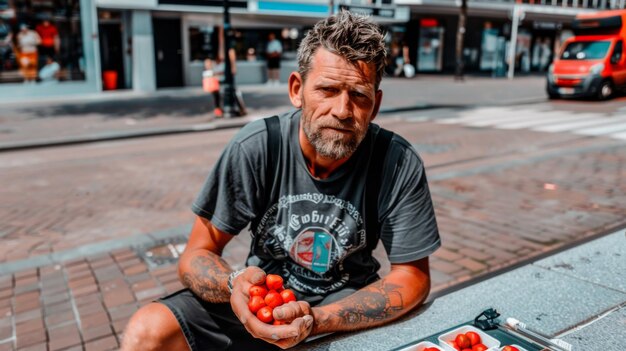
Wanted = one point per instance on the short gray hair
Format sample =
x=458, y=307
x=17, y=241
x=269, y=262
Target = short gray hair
x=351, y=36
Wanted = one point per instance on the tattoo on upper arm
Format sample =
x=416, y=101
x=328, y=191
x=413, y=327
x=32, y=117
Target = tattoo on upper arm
x=379, y=302
x=208, y=278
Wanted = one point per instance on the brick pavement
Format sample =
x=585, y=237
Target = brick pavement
x=489, y=219
x=501, y=197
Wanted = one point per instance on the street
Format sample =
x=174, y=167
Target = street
x=510, y=183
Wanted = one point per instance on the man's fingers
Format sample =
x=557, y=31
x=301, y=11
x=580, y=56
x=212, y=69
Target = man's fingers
x=254, y=275
x=292, y=310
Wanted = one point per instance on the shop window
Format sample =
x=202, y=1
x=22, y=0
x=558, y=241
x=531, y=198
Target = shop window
x=203, y=43
x=40, y=41
x=430, y=50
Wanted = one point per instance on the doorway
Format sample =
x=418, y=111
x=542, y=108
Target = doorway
x=110, y=31
x=430, y=49
x=168, y=52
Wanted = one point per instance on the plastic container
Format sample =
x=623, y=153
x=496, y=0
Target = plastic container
x=515, y=345
x=109, y=80
x=421, y=346
x=492, y=343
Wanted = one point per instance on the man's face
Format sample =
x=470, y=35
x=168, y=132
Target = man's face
x=338, y=101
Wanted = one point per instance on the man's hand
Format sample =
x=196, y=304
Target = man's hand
x=283, y=336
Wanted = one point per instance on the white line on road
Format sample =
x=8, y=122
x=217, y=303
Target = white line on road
x=543, y=119
x=578, y=125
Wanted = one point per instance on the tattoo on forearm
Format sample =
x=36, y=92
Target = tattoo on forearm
x=380, y=302
x=208, y=277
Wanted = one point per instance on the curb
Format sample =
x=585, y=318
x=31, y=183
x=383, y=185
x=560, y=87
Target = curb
x=108, y=136
x=204, y=127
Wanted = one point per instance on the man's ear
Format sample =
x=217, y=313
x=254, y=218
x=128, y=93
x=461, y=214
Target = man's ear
x=295, y=89
x=379, y=99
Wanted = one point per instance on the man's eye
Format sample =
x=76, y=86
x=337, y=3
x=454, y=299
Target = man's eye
x=358, y=95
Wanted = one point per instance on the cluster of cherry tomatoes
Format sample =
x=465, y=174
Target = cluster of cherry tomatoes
x=264, y=298
x=469, y=341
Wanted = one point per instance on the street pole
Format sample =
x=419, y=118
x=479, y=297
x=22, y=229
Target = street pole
x=513, y=42
x=229, y=81
x=331, y=7
x=460, y=38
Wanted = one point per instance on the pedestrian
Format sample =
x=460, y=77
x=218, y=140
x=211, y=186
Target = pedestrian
x=27, y=41
x=274, y=52
x=49, y=35
x=49, y=73
x=211, y=84
x=213, y=78
x=320, y=186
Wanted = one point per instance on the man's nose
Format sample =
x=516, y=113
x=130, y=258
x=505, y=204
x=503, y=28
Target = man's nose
x=342, y=106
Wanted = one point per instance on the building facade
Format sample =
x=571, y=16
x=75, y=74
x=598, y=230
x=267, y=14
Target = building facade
x=89, y=46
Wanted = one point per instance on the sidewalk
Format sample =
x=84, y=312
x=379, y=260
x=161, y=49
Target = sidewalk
x=119, y=115
x=578, y=295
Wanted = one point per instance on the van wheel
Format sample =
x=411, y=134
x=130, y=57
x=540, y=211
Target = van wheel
x=606, y=90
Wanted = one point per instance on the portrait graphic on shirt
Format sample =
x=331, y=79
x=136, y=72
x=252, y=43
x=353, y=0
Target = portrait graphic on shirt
x=312, y=234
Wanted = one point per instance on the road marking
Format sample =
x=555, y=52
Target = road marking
x=539, y=119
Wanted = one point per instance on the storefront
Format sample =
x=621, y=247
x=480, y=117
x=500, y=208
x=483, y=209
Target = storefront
x=46, y=44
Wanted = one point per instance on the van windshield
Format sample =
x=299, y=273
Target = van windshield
x=586, y=50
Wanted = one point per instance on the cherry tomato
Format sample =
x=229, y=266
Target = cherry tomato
x=510, y=348
x=287, y=295
x=258, y=290
x=467, y=349
x=454, y=345
x=473, y=337
x=277, y=322
x=273, y=299
x=462, y=341
x=265, y=314
x=479, y=347
x=256, y=303
x=273, y=281
x=430, y=349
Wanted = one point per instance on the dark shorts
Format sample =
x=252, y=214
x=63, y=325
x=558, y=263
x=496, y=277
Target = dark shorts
x=273, y=62
x=214, y=326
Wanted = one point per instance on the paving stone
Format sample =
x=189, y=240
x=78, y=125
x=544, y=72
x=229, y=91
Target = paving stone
x=31, y=338
x=7, y=346
x=96, y=332
x=64, y=342
x=445, y=267
x=85, y=290
x=27, y=315
x=29, y=326
x=59, y=318
x=472, y=265
x=39, y=347
x=94, y=320
x=108, y=343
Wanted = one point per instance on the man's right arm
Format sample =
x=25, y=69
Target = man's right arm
x=201, y=267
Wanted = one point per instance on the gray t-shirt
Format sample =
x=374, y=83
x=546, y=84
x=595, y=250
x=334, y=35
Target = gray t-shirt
x=313, y=231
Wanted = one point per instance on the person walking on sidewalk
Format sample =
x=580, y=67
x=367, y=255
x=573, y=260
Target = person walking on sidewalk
x=320, y=186
x=274, y=53
x=213, y=78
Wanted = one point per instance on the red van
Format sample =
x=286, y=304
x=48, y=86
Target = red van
x=592, y=63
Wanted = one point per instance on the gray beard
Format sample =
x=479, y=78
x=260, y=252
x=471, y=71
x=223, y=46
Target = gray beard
x=334, y=149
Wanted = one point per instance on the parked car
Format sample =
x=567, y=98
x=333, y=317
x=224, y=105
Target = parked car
x=592, y=63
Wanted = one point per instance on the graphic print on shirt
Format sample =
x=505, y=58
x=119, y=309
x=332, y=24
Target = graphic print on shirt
x=312, y=234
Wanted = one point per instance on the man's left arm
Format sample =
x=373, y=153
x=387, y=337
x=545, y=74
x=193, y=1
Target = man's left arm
x=406, y=286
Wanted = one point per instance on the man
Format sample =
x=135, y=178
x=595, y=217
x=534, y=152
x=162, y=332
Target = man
x=274, y=52
x=313, y=229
